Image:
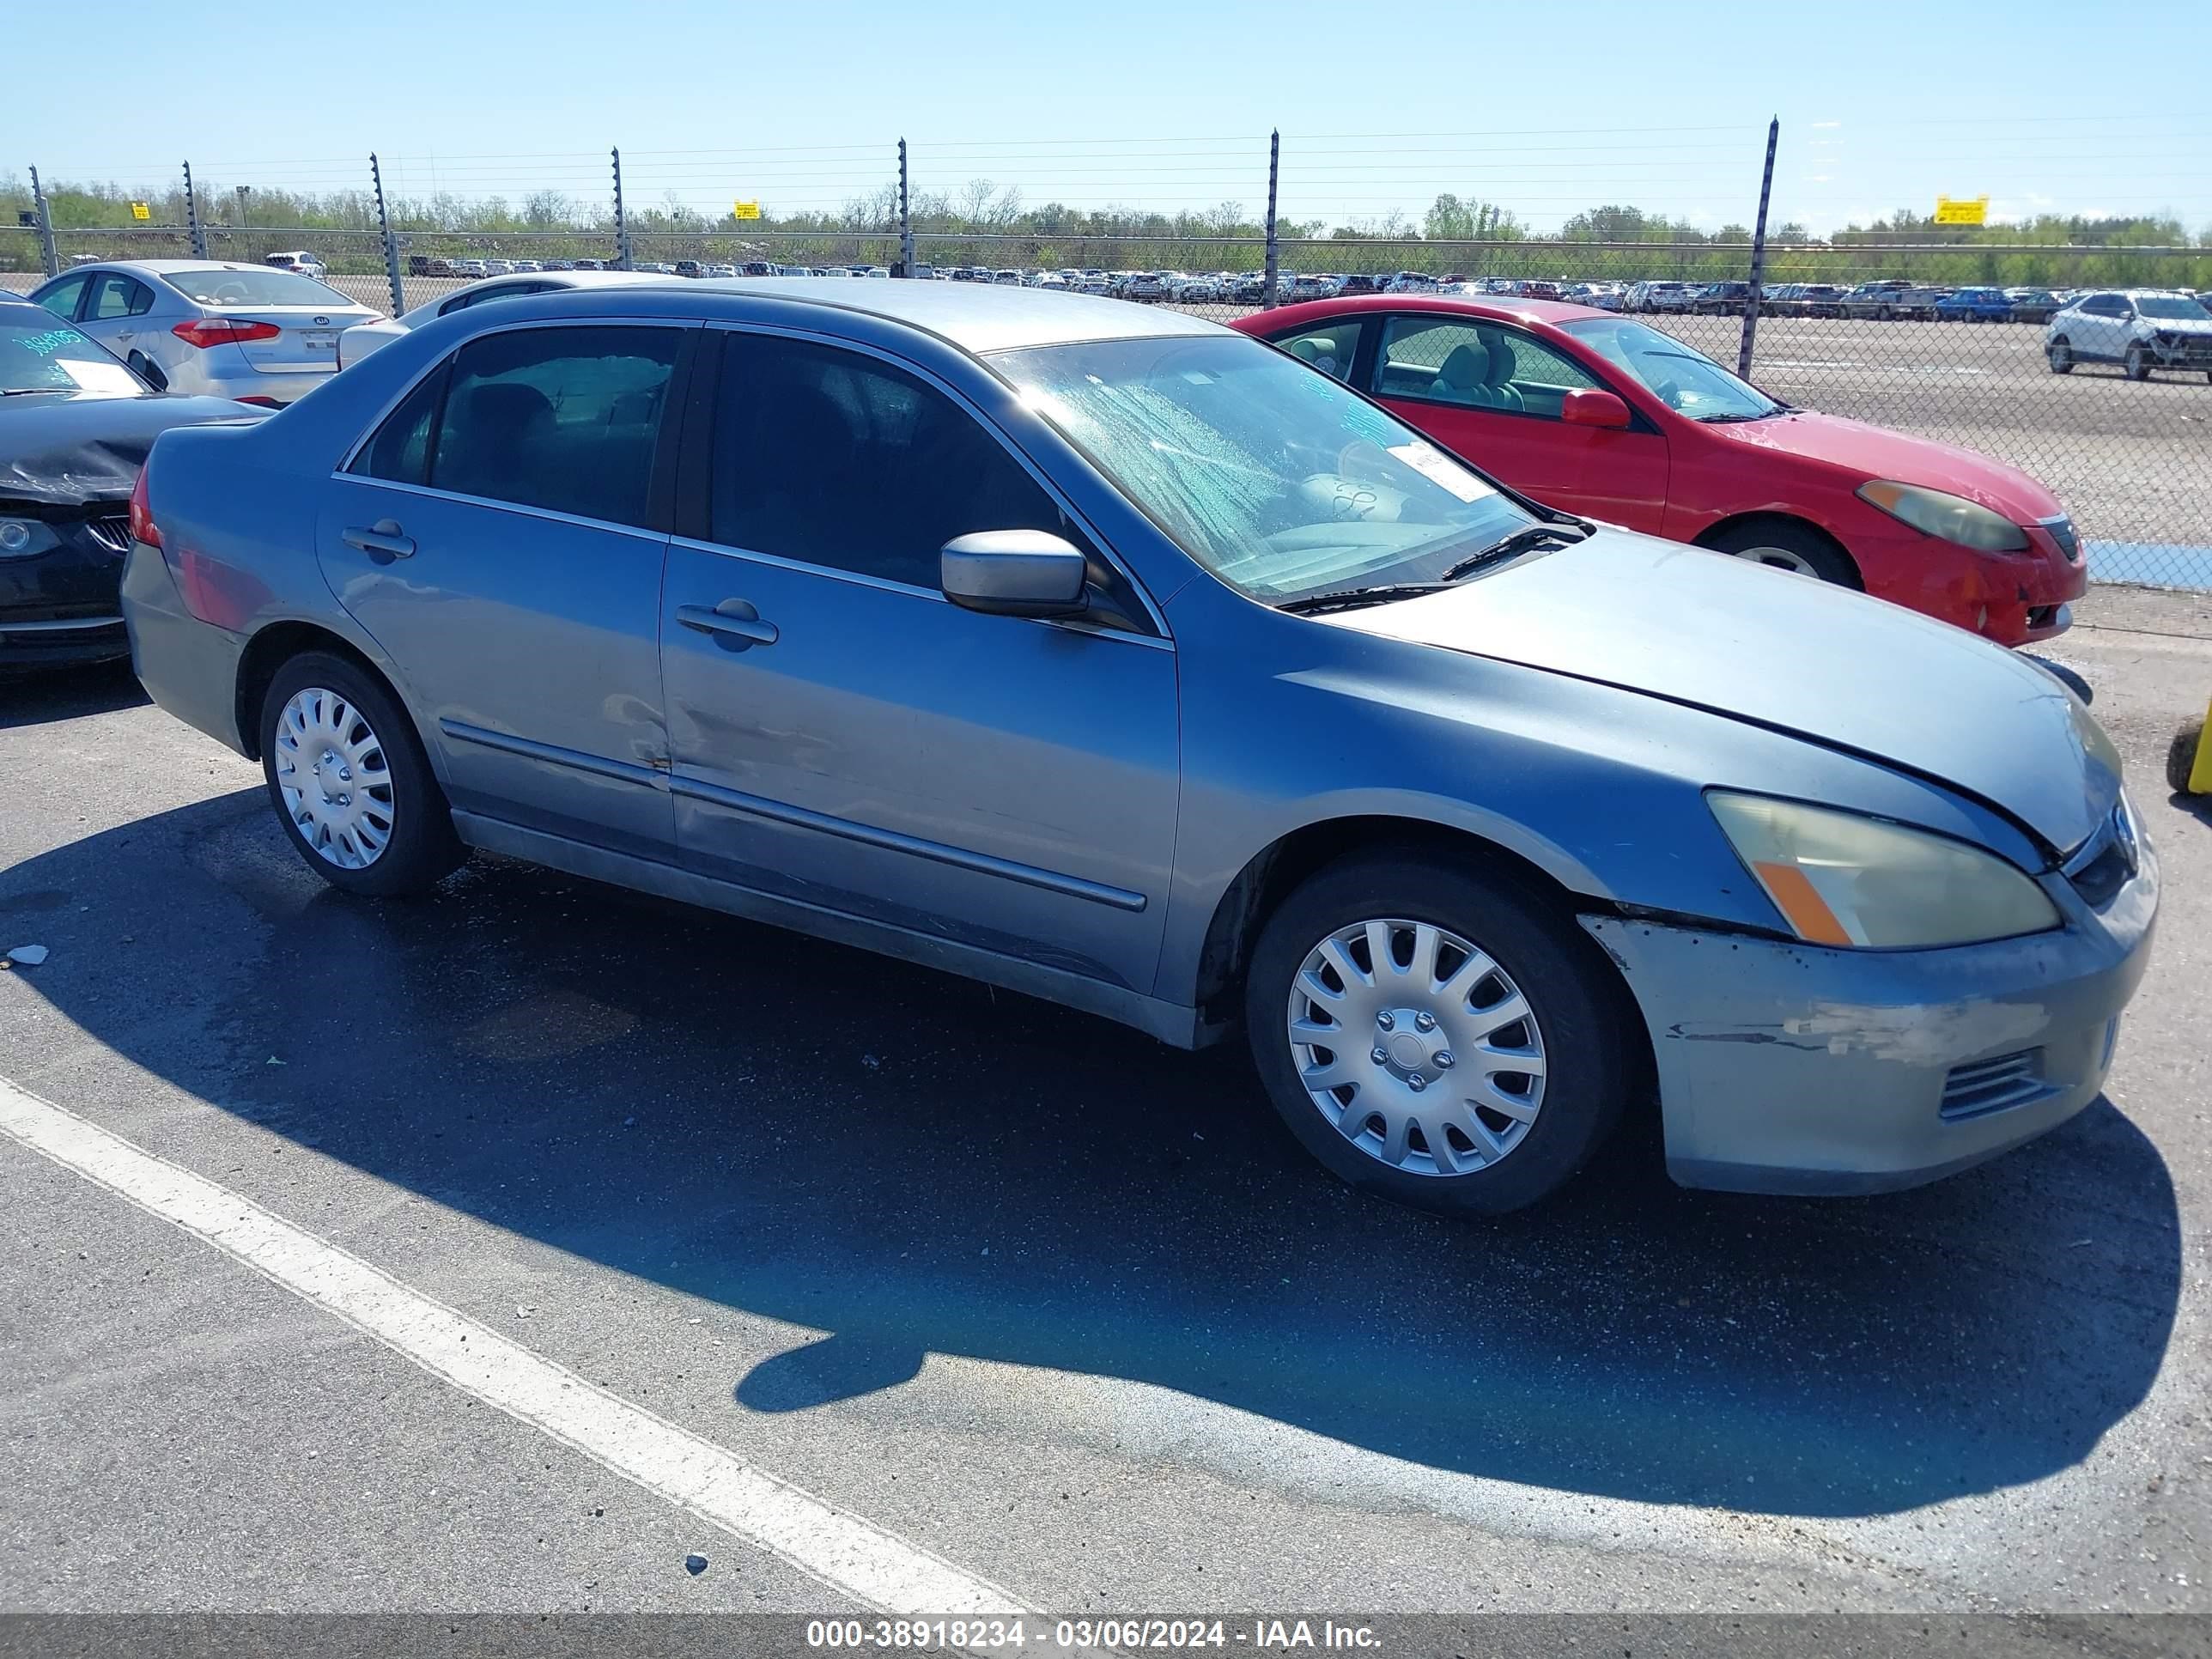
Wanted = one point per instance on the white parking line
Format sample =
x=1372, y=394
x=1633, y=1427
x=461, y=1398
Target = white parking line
x=842, y=1551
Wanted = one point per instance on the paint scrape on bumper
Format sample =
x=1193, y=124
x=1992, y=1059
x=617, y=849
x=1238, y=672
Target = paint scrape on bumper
x=1794, y=1068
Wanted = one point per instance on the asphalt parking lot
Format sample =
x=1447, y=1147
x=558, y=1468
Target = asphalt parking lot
x=1035, y=1298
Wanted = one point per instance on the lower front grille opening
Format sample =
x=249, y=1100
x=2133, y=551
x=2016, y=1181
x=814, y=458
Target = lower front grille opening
x=1997, y=1084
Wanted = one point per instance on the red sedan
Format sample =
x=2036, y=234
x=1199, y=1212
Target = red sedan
x=1601, y=415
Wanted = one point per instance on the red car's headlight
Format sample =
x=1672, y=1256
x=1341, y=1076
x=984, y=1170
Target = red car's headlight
x=1952, y=518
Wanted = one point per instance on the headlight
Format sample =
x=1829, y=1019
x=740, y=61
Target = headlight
x=1952, y=518
x=1839, y=878
x=22, y=537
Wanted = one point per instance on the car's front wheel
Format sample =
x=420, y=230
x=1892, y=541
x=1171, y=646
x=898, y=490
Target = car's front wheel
x=1436, y=1034
x=2060, y=355
x=349, y=781
x=2138, y=363
x=1783, y=545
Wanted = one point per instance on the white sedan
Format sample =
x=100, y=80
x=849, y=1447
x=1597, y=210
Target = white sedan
x=357, y=342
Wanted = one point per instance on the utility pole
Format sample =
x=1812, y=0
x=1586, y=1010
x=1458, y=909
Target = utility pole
x=46, y=254
x=622, y=226
x=1274, y=160
x=1757, y=257
x=906, y=217
x=391, y=242
x=198, y=231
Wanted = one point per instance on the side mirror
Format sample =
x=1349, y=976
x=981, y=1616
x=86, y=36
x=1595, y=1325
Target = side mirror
x=149, y=371
x=1014, y=573
x=1590, y=406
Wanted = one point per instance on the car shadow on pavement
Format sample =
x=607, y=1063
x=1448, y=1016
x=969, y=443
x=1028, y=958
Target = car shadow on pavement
x=33, y=698
x=917, y=1164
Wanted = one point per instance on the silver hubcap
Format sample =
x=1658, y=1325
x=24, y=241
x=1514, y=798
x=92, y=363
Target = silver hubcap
x=1416, y=1046
x=331, y=773
x=1779, y=558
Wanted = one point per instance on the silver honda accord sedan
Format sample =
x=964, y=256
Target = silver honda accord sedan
x=1103, y=653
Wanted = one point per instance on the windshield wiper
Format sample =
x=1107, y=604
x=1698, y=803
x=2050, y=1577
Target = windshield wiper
x=30, y=391
x=1731, y=418
x=1520, y=541
x=1345, y=599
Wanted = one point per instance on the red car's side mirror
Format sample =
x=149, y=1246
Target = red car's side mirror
x=1590, y=406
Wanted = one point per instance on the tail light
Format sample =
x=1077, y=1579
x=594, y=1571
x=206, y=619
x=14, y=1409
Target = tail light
x=205, y=331
x=259, y=402
x=143, y=527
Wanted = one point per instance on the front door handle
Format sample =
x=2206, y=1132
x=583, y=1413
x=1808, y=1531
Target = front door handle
x=382, y=541
x=734, y=624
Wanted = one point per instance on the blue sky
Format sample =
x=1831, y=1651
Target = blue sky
x=1661, y=106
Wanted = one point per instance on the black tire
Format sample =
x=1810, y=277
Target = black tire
x=422, y=847
x=2137, y=363
x=2060, y=355
x=1590, y=1034
x=1825, y=560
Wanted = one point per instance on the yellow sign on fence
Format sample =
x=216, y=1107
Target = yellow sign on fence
x=1971, y=211
x=140, y=210
x=744, y=210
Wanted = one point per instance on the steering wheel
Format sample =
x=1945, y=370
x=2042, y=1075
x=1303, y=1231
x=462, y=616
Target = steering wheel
x=1364, y=459
x=1669, y=393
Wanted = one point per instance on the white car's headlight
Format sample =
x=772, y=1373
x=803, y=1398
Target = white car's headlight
x=1952, y=518
x=1838, y=878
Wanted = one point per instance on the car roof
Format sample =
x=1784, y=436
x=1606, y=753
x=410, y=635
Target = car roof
x=972, y=316
x=165, y=267
x=1495, y=308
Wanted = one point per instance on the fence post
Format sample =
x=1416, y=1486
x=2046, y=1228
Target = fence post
x=1274, y=160
x=46, y=254
x=622, y=225
x=193, y=216
x=1752, y=300
x=906, y=217
x=391, y=241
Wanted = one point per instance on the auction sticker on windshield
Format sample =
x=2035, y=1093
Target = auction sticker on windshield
x=1439, y=468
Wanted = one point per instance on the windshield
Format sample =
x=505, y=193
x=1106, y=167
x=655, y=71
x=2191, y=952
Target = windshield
x=38, y=353
x=2171, y=307
x=1686, y=381
x=251, y=285
x=1273, y=475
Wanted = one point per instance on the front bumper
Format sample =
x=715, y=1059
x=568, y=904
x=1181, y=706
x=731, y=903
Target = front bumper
x=2012, y=599
x=1795, y=1068
x=60, y=606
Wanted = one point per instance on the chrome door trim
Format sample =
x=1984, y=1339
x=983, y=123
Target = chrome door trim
x=1052, y=881
x=576, y=759
x=364, y=480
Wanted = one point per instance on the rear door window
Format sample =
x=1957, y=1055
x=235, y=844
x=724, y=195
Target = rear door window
x=115, y=295
x=565, y=419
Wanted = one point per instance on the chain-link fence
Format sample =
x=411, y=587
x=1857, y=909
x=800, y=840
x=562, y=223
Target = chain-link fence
x=1958, y=340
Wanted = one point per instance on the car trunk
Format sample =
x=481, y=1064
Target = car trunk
x=305, y=341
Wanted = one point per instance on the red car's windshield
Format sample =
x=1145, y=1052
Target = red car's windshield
x=1686, y=381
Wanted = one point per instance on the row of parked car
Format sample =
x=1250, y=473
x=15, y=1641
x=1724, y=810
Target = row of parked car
x=944, y=637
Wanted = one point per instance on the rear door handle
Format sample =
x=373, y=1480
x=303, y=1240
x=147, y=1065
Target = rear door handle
x=382, y=541
x=734, y=624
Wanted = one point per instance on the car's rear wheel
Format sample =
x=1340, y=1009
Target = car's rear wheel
x=1436, y=1036
x=349, y=781
x=1782, y=545
x=2060, y=354
x=2138, y=363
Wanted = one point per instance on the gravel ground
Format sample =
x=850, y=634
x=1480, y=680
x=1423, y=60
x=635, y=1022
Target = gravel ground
x=1055, y=1302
